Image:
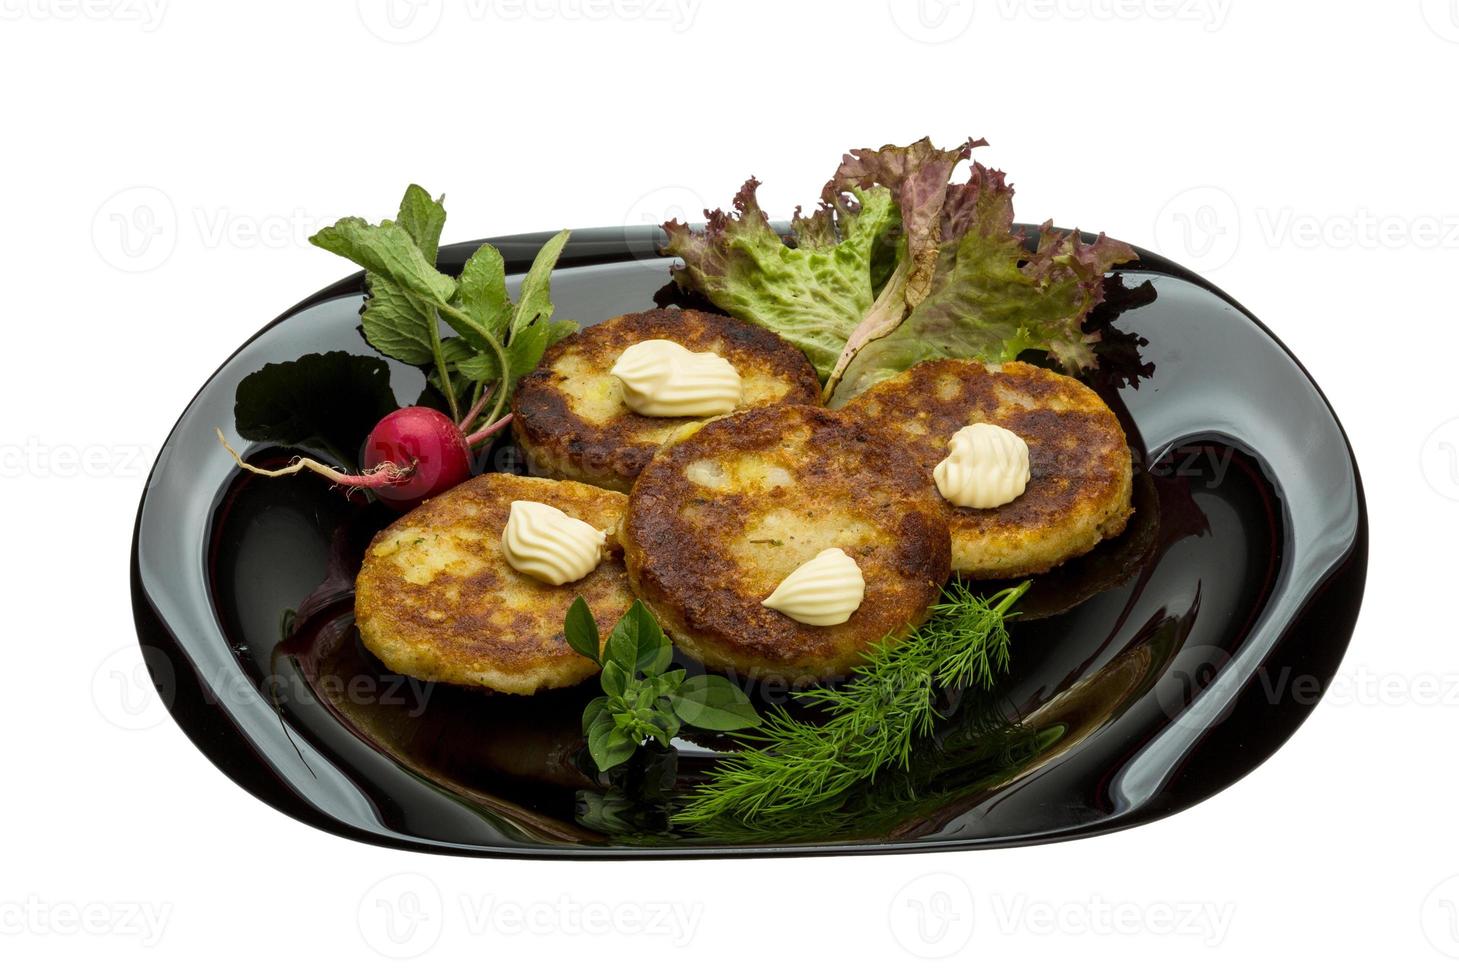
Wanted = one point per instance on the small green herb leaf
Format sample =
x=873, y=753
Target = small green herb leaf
x=636, y=641
x=610, y=746
x=581, y=630
x=711, y=702
x=482, y=292
x=593, y=711
x=534, y=300
x=615, y=678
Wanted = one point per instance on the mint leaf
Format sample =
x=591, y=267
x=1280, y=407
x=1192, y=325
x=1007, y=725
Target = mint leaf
x=481, y=293
x=531, y=341
x=480, y=367
x=455, y=349
x=582, y=630
x=388, y=251
x=395, y=323
x=711, y=702
x=534, y=299
x=422, y=219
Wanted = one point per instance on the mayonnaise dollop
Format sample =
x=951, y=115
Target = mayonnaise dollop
x=663, y=379
x=824, y=591
x=543, y=542
x=986, y=466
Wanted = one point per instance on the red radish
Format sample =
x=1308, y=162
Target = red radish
x=424, y=445
x=410, y=455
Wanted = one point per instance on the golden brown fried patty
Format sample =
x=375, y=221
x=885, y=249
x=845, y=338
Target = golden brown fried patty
x=436, y=599
x=569, y=417
x=1078, y=491
x=717, y=519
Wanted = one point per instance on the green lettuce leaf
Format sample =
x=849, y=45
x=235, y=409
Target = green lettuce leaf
x=900, y=265
x=917, y=176
x=813, y=293
x=990, y=298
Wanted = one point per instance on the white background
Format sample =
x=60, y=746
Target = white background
x=1301, y=154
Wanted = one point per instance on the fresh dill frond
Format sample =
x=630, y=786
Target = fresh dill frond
x=874, y=720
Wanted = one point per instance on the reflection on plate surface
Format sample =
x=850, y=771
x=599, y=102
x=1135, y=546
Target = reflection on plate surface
x=1146, y=676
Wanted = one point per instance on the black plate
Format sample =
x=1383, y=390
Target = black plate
x=1147, y=676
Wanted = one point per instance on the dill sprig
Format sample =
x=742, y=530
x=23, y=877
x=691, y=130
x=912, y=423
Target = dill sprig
x=873, y=721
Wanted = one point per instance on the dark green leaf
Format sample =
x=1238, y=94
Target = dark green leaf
x=711, y=702
x=653, y=662
x=593, y=711
x=581, y=630
x=610, y=746
x=636, y=640
x=324, y=401
x=615, y=678
x=665, y=683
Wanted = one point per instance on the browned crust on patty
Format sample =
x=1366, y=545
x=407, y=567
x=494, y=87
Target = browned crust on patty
x=553, y=425
x=436, y=599
x=696, y=554
x=1079, y=487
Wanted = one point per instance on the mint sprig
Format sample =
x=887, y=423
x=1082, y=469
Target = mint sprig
x=497, y=342
x=642, y=699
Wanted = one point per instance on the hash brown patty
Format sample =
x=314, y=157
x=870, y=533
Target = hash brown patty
x=569, y=417
x=436, y=599
x=1078, y=491
x=722, y=515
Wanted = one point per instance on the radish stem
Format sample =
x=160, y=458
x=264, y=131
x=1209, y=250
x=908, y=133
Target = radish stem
x=483, y=394
x=486, y=432
x=440, y=356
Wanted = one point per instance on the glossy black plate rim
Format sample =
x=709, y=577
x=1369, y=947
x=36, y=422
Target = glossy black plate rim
x=1334, y=602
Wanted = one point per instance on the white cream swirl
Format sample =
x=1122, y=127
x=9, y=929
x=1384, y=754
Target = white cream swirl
x=986, y=466
x=666, y=380
x=543, y=542
x=824, y=591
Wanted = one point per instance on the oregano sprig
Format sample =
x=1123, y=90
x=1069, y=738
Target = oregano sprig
x=642, y=699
